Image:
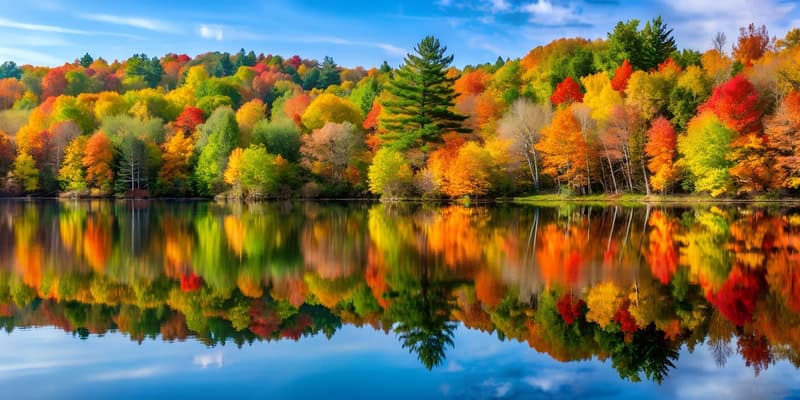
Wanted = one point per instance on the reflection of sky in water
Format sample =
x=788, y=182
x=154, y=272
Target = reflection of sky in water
x=354, y=363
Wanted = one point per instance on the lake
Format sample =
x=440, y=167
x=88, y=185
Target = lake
x=363, y=300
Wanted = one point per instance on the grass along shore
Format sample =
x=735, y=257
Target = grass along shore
x=637, y=198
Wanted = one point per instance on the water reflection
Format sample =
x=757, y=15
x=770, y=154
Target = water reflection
x=627, y=285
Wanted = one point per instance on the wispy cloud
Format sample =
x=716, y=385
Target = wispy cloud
x=126, y=374
x=135, y=22
x=218, y=32
x=25, y=56
x=6, y=23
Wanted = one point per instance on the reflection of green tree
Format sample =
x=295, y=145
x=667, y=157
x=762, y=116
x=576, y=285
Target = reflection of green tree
x=648, y=352
x=704, y=246
x=421, y=306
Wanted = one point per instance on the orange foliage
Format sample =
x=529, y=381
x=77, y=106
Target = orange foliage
x=753, y=43
x=662, y=251
x=10, y=91
x=620, y=80
x=98, y=159
x=296, y=106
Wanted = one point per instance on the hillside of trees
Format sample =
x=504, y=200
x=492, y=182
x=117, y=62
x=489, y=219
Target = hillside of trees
x=628, y=113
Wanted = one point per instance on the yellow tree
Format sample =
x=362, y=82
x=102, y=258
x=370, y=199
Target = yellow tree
x=600, y=96
x=247, y=116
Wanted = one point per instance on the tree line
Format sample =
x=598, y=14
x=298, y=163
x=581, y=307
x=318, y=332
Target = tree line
x=626, y=114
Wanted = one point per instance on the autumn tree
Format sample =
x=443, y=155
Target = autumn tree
x=247, y=116
x=329, y=151
x=753, y=42
x=620, y=80
x=523, y=124
x=26, y=173
x=11, y=90
x=600, y=96
x=565, y=150
x=419, y=108
x=98, y=160
x=252, y=172
x=661, y=147
x=704, y=149
x=174, y=175
x=330, y=108
x=389, y=174
x=781, y=132
x=567, y=92
x=72, y=174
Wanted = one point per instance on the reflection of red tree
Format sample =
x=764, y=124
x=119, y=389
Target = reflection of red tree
x=570, y=308
x=662, y=254
x=736, y=299
x=191, y=282
x=374, y=275
x=301, y=323
x=264, y=321
x=755, y=351
x=626, y=321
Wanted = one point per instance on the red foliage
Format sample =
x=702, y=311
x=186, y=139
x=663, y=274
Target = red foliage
x=295, y=61
x=54, y=82
x=191, y=282
x=620, y=80
x=755, y=351
x=736, y=299
x=625, y=320
x=189, y=119
x=264, y=321
x=567, y=92
x=735, y=102
x=570, y=308
x=371, y=121
x=296, y=106
x=753, y=43
x=669, y=64
x=301, y=323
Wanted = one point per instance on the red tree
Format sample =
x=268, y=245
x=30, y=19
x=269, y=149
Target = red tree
x=735, y=102
x=568, y=91
x=620, y=80
x=188, y=120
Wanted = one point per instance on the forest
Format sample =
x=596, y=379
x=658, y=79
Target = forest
x=630, y=113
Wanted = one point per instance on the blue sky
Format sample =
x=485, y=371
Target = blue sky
x=50, y=32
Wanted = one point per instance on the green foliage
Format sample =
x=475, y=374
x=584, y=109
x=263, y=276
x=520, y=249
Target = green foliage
x=149, y=70
x=704, y=148
x=9, y=69
x=280, y=138
x=218, y=136
x=420, y=108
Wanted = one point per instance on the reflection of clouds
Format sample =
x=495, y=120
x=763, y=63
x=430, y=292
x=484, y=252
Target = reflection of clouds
x=133, y=373
x=205, y=360
x=34, y=367
x=548, y=380
x=453, y=366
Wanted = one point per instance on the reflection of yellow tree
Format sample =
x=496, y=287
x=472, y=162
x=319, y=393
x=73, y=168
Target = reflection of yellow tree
x=97, y=241
x=603, y=302
x=703, y=248
x=28, y=250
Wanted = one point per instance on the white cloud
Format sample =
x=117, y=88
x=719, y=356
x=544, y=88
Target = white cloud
x=500, y=5
x=544, y=12
x=136, y=22
x=211, y=32
x=205, y=360
x=696, y=21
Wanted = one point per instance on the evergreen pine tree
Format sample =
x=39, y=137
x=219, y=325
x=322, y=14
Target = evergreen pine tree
x=329, y=73
x=657, y=43
x=421, y=107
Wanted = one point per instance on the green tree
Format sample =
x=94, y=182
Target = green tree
x=704, y=147
x=280, y=137
x=389, y=174
x=26, y=173
x=420, y=108
x=657, y=43
x=328, y=73
x=149, y=70
x=86, y=60
x=9, y=69
x=218, y=136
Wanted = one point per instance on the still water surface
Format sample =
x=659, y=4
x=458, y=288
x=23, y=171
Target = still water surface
x=365, y=300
